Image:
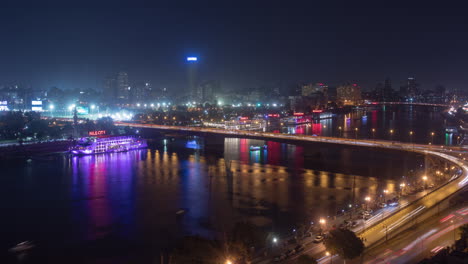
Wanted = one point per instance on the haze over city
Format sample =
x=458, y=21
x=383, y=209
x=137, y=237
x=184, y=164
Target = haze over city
x=243, y=46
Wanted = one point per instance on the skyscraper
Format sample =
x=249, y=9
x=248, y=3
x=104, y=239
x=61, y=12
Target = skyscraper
x=206, y=91
x=192, y=63
x=123, y=89
x=387, y=90
x=110, y=89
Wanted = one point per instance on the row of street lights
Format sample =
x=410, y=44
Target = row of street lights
x=391, y=132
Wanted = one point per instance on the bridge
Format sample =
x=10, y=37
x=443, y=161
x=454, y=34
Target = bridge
x=374, y=232
x=409, y=103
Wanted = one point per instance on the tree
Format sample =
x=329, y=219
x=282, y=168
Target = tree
x=195, y=249
x=306, y=259
x=344, y=243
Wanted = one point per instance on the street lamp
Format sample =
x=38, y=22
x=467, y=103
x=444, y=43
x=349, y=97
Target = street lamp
x=340, y=133
x=391, y=135
x=402, y=186
x=385, y=195
x=367, y=199
x=411, y=138
x=373, y=134
x=228, y=261
x=329, y=255
x=424, y=178
x=355, y=131
x=432, y=138
x=322, y=222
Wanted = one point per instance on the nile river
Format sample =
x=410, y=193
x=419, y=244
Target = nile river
x=123, y=207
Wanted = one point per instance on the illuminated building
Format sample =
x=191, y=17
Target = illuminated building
x=348, y=94
x=123, y=89
x=192, y=63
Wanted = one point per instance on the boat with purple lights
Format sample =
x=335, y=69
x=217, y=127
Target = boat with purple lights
x=107, y=144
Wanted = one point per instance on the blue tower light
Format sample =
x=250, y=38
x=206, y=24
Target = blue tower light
x=192, y=59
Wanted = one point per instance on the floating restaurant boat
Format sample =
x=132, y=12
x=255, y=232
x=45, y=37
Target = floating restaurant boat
x=107, y=144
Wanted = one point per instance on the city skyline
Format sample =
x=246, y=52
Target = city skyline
x=240, y=47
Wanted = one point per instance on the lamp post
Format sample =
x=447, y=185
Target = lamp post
x=432, y=138
x=385, y=195
x=355, y=132
x=402, y=187
x=228, y=261
x=373, y=134
x=411, y=138
x=322, y=222
x=391, y=135
x=51, y=108
x=367, y=199
x=329, y=255
x=424, y=178
x=340, y=134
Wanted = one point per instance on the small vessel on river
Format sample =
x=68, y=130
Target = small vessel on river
x=255, y=148
x=107, y=144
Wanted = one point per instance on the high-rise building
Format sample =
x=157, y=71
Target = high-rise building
x=206, y=91
x=349, y=94
x=123, y=89
x=192, y=63
x=141, y=92
x=110, y=89
x=387, y=90
x=412, y=89
x=309, y=89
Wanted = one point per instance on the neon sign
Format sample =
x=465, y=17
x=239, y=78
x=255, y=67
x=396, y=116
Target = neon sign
x=97, y=133
x=317, y=111
x=244, y=118
x=298, y=114
x=273, y=115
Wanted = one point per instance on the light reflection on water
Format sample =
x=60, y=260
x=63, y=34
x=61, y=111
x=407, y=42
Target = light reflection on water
x=135, y=195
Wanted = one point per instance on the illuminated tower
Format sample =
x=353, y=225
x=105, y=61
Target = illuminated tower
x=193, y=78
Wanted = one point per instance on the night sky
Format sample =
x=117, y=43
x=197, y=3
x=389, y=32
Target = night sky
x=243, y=46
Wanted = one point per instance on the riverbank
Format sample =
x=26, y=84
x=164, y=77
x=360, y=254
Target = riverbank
x=14, y=151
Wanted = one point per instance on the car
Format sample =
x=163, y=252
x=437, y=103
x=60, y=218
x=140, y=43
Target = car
x=354, y=224
x=318, y=239
x=299, y=248
x=383, y=205
x=393, y=204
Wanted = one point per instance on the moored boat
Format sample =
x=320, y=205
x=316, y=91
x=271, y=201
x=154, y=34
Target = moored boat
x=107, y=144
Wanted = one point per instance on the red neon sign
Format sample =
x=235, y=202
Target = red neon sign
x=244, y=118
x=273, y=115
x=317, y=111
x=97, y=133
x=298, y=114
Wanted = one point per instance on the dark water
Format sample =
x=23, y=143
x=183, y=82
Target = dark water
x=104, y=205
x=422, y=120
x=121, y=207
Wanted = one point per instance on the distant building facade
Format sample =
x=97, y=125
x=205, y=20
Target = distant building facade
x=349, y=94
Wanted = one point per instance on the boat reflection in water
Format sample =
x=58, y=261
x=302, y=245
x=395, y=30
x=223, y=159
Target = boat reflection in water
x=107, y=144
